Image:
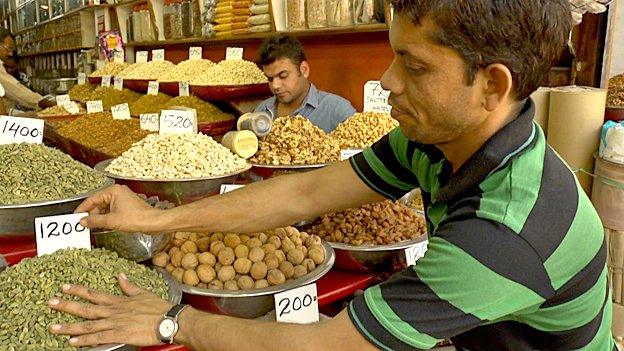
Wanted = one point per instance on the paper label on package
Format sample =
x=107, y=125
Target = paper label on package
x=141, y=56
x=158, y=55
x=21, y=130
x=376, y=98
x=106, y=81
x=178, y=122
x=298, y=305
x=118, y=83
x=121, y=111
x=226, y=188
x=195, y=52
x=416, y=252
x=82, y=78
x=233, y=53
x=95, y=106
x=152, y=88
x=149, y=121
x=61, y=232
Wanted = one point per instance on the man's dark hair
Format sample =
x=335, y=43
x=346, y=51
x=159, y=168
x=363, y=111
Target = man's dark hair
x=280, y=46
x=527, y=36
x=5, y=33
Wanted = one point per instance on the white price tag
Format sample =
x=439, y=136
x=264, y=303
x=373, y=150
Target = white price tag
x=121, y=111
x=298, y=305
x=95, y=106
x=71, y=107
x=82, y=78
x=195, y=52
x=232, y=53
x=60, y=99
x=183, y=88
x=226, y=188
x=177, y=122
x=99, y=64
x=118, y=56
x=61, y=232
x=141, y=56
x=21, y=130
x=149, y=121
x=96, y=2
x=158, y=55
x=152, y=88
x=414, y=253
x=106, y=80
x=376, y=98
x=118, y=83
x=348, y=153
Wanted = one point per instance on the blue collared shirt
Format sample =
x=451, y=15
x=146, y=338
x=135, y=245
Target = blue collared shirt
x=324, y=110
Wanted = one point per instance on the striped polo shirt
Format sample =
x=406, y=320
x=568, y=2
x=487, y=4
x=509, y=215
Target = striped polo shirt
x=516, y=257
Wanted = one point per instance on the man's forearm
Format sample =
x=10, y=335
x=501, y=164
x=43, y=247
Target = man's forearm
x=273, y=203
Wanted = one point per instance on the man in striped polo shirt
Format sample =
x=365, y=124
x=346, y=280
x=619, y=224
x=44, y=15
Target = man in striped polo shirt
x=516, y=257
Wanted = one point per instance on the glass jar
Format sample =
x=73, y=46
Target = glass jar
x=316, y=13
x=172, y=19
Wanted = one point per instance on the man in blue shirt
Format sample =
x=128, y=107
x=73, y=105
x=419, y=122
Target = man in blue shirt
x=284, y=63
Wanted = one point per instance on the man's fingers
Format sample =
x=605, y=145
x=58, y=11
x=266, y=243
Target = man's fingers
x=84, y=310
x=104, y=221
x=100, y=199
x=91, y=295
x=88, y=327
x=128, y=288
x=99, y=338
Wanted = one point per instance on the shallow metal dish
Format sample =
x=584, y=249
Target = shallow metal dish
x=251, y=303
x=177, y=191
x=132, y=246
x=174, y=296
x=20, y=219
x=369, y=258
x=261, y=172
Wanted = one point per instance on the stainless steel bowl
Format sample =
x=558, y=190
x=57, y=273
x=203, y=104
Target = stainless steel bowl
x=19, y=219
x=174, y=296
x=261, y=172
x=375, y=258
x=177, y=191
x=132, y=246
x=251, y=303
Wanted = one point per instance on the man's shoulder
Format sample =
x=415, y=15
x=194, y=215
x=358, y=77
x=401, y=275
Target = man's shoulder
x=265, y=105
x=324, y=96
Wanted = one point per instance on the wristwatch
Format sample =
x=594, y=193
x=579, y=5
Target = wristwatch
x=168, y=326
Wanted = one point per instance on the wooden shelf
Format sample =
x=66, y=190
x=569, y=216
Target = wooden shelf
x=55, y=51
x=364, y=28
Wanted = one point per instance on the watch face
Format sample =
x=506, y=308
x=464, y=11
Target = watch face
x=166, y=328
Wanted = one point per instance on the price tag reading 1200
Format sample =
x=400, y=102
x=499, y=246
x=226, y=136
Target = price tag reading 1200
x=21, y=130
x=177, y=122
x=298, y=305
x=61, y=232
x=121, y=111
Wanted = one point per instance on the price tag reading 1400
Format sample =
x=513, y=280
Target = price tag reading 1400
x=20, y=130
x=298, y=305
x=61, y=232
x=177, y=122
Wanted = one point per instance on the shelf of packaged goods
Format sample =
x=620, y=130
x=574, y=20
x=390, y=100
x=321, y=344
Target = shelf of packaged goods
x=364, y=28
x=54, y=51
x=52, y=37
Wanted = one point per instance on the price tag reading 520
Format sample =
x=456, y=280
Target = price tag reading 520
x=20, y=130
x=177, y=122
x=298, y=305
x=61, y=232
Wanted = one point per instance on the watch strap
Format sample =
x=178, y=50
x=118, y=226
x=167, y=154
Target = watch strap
x=175, y=311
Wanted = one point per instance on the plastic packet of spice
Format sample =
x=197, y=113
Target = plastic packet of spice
x=295, y=15
x=316, y=13
x=363, y=11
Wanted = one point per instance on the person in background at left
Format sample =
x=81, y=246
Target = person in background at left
x=11, y=66
x=16, y=93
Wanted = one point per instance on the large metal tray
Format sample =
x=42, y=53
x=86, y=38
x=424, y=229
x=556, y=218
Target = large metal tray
x=177, y=191
x=231, y=92
x=19, y=219
x=251, y=303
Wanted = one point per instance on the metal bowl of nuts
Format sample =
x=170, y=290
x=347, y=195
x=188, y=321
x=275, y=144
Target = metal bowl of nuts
x=177, y=191
x=18, y=220
x=372, y=258
x=256, y=302
x=261, y=172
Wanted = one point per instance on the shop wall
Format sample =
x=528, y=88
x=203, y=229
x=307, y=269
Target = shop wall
x=340, y=64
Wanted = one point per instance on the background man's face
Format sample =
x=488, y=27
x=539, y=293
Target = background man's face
x=286, y=81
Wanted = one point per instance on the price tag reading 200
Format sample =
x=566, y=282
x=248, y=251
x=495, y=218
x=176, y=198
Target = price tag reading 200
x=61, y=232
x=298, y=305
x=21, y=130
x=177, y=122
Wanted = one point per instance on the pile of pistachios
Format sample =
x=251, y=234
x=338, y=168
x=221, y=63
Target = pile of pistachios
x=35, y=172
x=25, y=289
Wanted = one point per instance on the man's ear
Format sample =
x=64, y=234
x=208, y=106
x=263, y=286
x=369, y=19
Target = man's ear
x=304, y=68
x=497, y=85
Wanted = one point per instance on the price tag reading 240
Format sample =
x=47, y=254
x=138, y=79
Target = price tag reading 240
x=21, y=130
x=141, y=56
x=177, y=122
x=95, y=106
x=61, y=232
x=298, y=305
